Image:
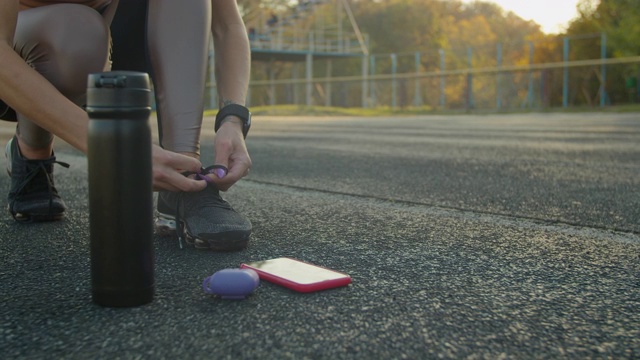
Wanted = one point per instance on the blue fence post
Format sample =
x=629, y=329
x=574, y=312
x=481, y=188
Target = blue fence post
x=372, y=87
x=469, y=79
x=565, y=75
x=365, y=80
x=329, y=85
x=603, y=70
x=443, y=97
x=295, y=93
x=530, y=91
x=394, y=83
x=309, y=78
x=543, y=89
x=272, y=86
x=498, y=80
x=417, y=98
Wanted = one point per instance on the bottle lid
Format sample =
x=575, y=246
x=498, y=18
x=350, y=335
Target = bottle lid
x=118, y=89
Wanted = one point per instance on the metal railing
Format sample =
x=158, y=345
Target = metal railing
x=345, y=44
x=502, y=77
x=534, y=86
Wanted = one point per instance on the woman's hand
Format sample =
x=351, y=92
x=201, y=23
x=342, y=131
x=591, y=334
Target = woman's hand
x=231, y=152
x=168, y=168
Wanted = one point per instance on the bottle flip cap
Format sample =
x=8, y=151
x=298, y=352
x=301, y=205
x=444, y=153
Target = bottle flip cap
x=118, y=89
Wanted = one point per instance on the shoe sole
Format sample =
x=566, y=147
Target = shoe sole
x=165, y=225
x=29, y=218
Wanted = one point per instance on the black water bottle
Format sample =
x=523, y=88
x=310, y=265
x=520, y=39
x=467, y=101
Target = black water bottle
x=120, y=188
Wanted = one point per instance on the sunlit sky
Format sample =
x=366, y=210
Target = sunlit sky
x=552, y=15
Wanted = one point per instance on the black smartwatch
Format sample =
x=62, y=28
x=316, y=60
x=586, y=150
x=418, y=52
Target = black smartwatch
x=236, y=110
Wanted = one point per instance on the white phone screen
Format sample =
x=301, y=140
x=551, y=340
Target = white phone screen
x=296, y=271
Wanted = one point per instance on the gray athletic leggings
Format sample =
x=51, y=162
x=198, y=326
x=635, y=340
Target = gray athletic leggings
x=169, y=39
x=64, y=43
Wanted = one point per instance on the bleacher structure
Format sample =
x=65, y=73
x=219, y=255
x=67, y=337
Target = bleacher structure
x=307, y=27
x=304, y=32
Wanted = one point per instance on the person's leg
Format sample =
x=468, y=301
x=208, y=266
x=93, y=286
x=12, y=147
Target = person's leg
x=159, y=37
x=178, y=37
x=177, y=41
x=64, y=43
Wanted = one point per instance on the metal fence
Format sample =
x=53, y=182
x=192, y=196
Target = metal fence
x=440, y=80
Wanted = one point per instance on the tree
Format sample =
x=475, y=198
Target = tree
x=396, y=26
x=619, y=19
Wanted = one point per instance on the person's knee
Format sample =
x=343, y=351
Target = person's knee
x=69, y=41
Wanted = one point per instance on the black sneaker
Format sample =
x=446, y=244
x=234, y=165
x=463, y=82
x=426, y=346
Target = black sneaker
x=203, y=219
x=33, y=195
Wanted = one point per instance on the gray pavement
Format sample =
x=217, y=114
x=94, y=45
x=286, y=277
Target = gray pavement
x=496, y=236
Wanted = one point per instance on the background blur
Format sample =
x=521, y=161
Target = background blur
x=427, y=55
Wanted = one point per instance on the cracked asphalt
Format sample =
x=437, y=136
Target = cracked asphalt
x=480, y=237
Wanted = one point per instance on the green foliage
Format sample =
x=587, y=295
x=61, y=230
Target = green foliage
x=398, y=25
x=619, y=19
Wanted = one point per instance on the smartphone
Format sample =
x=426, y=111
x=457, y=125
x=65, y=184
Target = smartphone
x=298, y=275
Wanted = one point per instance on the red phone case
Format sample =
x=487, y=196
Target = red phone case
x=298, y=275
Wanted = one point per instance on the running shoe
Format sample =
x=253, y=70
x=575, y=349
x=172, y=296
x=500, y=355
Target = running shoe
x=33, y=196
x=202, y=219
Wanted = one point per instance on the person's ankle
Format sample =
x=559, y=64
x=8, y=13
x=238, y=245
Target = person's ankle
x=33, y=153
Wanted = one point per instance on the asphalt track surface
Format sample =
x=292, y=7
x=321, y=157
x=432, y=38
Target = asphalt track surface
x=494, y=236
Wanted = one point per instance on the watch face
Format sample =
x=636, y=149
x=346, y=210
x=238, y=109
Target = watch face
x=237, y=110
